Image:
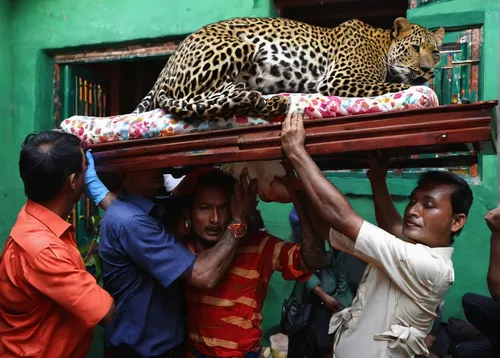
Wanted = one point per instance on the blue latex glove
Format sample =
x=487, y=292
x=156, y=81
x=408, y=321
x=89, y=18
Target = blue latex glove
x=95, y=189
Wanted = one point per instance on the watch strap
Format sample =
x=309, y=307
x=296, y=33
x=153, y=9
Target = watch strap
x=238, y=229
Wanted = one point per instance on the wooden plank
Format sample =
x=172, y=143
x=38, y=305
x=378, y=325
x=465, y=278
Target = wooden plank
x=420, y=115
x=232, y=154
x=320, y=135
x=333, y=134
x=421, y=130
x=168, y=148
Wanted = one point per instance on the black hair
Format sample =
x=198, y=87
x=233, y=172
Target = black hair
x=461, y=197
x=214, y=179
x=47, y=159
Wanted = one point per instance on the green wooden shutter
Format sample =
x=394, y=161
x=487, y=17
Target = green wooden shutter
x=84, y=93
x=457, y=74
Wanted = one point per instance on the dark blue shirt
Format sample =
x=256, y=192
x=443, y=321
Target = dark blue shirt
x=294, y=222
x=141, y=265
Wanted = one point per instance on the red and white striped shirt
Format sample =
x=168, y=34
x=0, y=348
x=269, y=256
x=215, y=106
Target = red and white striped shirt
x=225, y=321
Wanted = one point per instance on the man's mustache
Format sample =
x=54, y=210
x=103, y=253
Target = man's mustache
x=213, y=228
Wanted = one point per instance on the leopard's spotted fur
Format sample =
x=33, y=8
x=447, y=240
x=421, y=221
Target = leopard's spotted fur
x=225, y=67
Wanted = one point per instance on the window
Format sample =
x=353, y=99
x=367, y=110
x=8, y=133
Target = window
x=456, y=81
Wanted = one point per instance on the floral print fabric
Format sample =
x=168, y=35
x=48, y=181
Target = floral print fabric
x=157, y=123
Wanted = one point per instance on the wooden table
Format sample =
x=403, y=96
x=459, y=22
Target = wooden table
x=336, y=143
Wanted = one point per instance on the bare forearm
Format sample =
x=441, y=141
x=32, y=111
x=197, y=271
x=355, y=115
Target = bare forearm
x=386, y=214
x=326, y=199
x=494, y=268
x=213, y=263
x=321, y=228
x=312, y=246
x=318, y=291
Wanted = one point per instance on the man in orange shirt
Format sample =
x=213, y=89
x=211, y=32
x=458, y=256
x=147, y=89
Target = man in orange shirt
x=49, y=303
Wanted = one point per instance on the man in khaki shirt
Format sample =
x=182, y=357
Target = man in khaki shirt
x=410, y=268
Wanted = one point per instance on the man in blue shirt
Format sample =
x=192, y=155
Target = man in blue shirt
x=142, y=262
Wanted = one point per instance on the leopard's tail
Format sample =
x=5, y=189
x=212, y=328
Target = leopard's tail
x=215, y=103
x=146, y=103
x=179, y=108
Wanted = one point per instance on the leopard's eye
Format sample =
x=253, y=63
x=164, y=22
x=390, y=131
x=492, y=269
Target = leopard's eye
x=416, y=48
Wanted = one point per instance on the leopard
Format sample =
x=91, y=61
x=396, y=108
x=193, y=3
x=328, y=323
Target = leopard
x=240, y=66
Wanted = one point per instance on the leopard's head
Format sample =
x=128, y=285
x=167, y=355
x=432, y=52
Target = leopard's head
x=413, y=52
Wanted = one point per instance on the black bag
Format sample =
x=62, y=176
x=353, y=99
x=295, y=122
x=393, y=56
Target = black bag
x=308, y=327
x=295, y=315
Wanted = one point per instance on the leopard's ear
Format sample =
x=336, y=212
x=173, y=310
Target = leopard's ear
x=402, y=28
x=439, y=33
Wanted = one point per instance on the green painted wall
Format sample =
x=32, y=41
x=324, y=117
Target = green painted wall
x=7, y=199
x=37, y=27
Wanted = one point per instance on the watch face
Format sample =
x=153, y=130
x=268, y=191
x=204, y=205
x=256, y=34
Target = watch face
x=238, y=230
x=241, y=230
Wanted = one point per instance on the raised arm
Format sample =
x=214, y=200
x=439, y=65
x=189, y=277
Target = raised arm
x=312, y=245
x=386, y=214
x=94, y=187
x=493, y=222
x=213, y=263
x=101, y=196
x=326, y=199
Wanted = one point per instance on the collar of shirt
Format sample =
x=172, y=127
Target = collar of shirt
x=190, y=244
x=444, y=252
x=146, y=205
x=51, y=220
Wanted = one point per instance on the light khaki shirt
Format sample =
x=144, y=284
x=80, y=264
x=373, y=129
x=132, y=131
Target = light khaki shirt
x=397, y=298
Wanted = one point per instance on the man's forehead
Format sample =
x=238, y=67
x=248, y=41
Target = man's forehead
x=211, y=194
x=433, y=190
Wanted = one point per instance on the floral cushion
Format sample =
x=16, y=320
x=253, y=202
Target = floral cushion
x=157, y=123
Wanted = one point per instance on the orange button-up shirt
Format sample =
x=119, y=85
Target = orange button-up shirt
x=49, y=303
x=225, y=321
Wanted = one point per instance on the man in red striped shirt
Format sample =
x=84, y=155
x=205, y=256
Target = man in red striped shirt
x=224, y=321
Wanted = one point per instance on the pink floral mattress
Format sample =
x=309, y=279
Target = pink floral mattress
x=157, y=123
